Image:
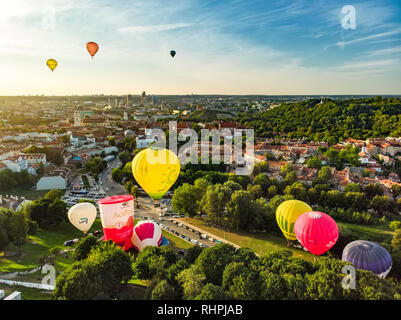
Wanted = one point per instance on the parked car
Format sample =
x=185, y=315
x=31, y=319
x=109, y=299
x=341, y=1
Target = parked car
x=69, y=243
x=194, y=241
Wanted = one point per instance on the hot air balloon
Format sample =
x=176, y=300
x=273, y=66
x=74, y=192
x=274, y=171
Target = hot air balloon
x=316, y=231
x=146, y=233
x=82, y=215
x=164, y=242
x=117, y=215
x=368, y=256
x=52, y=64
x=286, y=215
x=92, y=48
x=172, y=53
x=156, y=170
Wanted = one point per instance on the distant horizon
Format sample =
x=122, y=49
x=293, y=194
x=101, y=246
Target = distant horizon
x=205, y=94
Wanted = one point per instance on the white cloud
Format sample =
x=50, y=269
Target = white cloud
x=370, y=37
x=152, y=28
x=379, y=52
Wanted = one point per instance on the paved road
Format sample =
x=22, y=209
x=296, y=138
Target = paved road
x=107, y=184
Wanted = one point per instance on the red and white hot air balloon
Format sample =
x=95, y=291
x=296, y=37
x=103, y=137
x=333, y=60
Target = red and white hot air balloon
x=316, y=231
x=146, y=233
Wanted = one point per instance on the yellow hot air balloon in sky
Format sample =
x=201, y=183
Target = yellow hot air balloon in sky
x=52, y=64
x=156, y=170
x=286, y=215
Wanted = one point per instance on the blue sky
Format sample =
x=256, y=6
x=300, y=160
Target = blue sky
x=226, y=47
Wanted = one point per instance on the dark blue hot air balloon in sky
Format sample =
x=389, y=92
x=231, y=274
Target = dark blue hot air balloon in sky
x=367, y=255
x=172, y=53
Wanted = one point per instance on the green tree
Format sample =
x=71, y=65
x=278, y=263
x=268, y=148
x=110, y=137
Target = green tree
x=163, y=291
x=395, y=225
x=212, y=262
x=117, y=175
x=53, y=194
x=381, y=204
x=238, y=210
x=99, y=276
x=314, y=162
x=192, y=281
x=211, y=292
x=17, y=229
x=185, y=200
x=396, y=241
x=124, y=157
x=83, y=247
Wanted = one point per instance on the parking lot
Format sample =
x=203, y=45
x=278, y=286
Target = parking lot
x=76, y=191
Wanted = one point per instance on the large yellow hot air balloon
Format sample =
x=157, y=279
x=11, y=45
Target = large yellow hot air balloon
x=156, y=170
x=286, y=215
x=52, y=64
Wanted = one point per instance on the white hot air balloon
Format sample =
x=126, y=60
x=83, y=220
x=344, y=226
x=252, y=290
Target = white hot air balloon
x=82, y=216
x=146, y=233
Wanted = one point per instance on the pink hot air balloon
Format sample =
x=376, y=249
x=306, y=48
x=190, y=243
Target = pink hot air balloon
x=316, y=231
x=146, y=233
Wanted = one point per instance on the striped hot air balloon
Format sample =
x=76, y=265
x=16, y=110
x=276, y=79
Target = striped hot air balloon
x=286, y=215
x=316, y=231
x=367, y=255
x=146, y=233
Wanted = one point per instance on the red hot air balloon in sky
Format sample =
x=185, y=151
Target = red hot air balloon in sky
x=92, y=48
x=316, y=231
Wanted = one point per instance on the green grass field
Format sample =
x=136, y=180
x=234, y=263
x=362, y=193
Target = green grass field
x=39, y=245
x=27, y=193
x=260, y=243
x=27, y=293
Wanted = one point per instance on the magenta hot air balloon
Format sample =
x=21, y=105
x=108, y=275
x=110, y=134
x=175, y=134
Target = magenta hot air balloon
x=316, y=231
x=146, y=233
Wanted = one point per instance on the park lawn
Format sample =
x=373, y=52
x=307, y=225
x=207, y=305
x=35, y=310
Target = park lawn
x=378, y=233
x=175, y=242
x=39, y=245
x=260, y=243
x=27, y=193
x=27, y=293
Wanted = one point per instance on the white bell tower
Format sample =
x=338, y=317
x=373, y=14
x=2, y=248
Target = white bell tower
x=77, y=119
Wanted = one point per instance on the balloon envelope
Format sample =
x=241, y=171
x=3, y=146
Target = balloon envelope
x=286, y=215
x=52, y=64
x=82, y=215
x=172, y=53
x=117, y=216
x=156, y=170
x=146, y=233
x=164, y=242
x=316, y=231
x=367, y=255
x=92, y=48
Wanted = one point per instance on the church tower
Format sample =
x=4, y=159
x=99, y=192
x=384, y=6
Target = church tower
x=77, y=119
